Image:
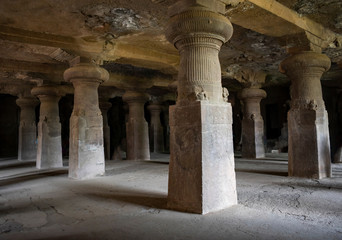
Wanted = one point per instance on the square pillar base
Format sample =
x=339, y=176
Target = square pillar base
x=49, y=151
x=201, y=171
x=252, y=138
x=86, y=154
x=309, y=145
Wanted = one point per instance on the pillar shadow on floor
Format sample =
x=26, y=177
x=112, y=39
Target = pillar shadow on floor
x=17, y=164
x=276, y=173
x=125, y=195
x=27, y=176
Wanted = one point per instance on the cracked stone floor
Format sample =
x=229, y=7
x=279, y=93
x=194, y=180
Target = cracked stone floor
x=129, y=202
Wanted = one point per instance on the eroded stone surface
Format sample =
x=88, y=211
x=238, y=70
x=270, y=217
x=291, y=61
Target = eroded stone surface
x=27, y=148
x=156, y=129
x=104, y=107
x=307, y=118
x=252, y=123
x=201, y=175
x=49, y=150
x=138, y=147
x=86, y=154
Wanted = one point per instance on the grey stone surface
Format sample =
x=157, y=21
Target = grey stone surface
x=49, y=150
x=156, y=129
x=252, y=123
x=307, y=118
x=201, y=177
x=27, y=147
x=138, y=147
x=130, y=203
x=104, y=107
x=86, y=154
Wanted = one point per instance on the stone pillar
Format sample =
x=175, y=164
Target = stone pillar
x=167, y=128
x=104, y=107
x=136, y=127
x=252, y=123
x=49, y=151
x=309, y=146
x=201, y=170
x=27, y=149
x=338, y=155
x=86, y=154
x=156, y=129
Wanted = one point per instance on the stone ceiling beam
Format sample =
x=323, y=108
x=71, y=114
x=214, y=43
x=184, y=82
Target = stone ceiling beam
x=45, y=39
x=125, y=81
x=15, y=65
x=143, y=56
x=274, y=19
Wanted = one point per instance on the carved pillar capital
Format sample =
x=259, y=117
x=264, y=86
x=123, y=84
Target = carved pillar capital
x=46, y=91
x=155, y=107
x=250, y=78
x=27, y=102
x=132, y=96
x=86, y=72
x=305, y=70
x=198, y=33
x=252, y=93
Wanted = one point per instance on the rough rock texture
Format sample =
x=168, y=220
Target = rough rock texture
x=49, y=149
x=201, y=177
x=27, y=148
x=86, y=154
x=138, y=147
x=307, y=118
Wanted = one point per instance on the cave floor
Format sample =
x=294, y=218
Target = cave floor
x=129, y=202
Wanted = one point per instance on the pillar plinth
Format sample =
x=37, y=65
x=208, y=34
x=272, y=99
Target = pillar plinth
x=138, y=147
x=86, y=153
x=156, y=129
x=252, y=123
x=27, y=149
x=49, y=150
x=309, y=145
x=104, y=107
x=201, y=170
x=338, y=156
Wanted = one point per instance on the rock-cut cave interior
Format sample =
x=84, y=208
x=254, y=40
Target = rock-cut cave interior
x=171, y=119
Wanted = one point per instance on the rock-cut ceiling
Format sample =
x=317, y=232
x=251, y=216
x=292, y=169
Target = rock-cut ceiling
x=38, y=39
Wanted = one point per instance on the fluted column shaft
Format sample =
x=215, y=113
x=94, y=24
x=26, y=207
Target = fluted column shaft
x=156, y=129
x=252, y=123
x=138, y=147
x=49, y=151
x=309, y=145
x=104, y=107
x=27, y=149
x=201, y=170
x=86, y=153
